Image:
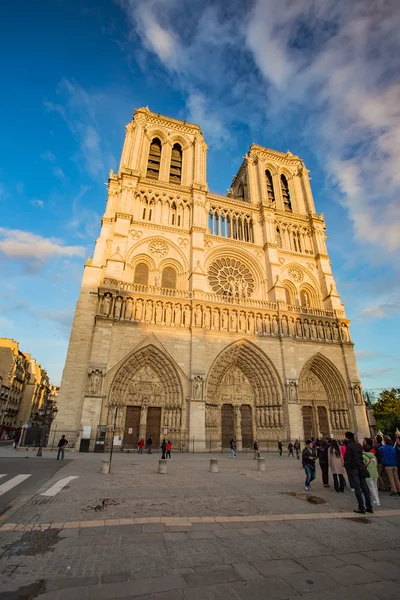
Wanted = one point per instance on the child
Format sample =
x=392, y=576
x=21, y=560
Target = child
x=372, y=481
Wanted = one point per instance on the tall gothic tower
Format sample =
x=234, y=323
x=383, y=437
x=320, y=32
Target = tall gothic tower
x=205, y=317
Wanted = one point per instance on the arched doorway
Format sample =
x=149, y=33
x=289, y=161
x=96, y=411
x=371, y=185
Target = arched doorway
x=148, y=393
x=244, y=398
x=323, y=399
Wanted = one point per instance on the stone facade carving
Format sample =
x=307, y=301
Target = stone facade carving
x=197, y=388
x=230, y=277
x=95, y=381
x=158, y=249
x=357, y=393
x=292, y=395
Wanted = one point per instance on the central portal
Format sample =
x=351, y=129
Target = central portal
x=227, y=424
x=153, y=425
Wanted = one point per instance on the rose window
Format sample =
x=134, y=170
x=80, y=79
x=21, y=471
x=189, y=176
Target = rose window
x=230, y=277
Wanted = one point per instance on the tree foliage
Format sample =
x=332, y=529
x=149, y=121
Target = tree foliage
x=387, y=410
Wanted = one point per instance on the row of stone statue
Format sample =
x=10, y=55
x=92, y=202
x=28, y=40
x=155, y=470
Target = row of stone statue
x=269, y=416
x=173, y=417
x=339, y=419
x=168, y=313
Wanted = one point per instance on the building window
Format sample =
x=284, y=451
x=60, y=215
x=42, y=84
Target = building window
x=286, y=194
x=305, y=299
x=288, y=297
x=175, y=171
x=168, y=279
x=153, y=165
x=141, y=274
x=270, y=187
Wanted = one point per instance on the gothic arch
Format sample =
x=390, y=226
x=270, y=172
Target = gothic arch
x=179, y=139
x=156, y=133
x=131, y=254
x=162, y=371
x=329, y=376
x=257, y=367
x=304, y=280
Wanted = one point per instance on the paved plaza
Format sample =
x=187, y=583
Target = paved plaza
x=192, y=534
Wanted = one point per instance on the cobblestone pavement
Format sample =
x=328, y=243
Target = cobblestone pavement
x=266, y=543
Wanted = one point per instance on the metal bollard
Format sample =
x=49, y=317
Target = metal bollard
x=214, y=465
x=162, y=466
x=260, y=464
x=105, y=466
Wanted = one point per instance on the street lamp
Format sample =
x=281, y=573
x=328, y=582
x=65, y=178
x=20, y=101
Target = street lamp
x=45, y=415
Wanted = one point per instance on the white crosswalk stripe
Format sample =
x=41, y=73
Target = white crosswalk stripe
x=3, y=475
x=58, y=486
x=8, y=485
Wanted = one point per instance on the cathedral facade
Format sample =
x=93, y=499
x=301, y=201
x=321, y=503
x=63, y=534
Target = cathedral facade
x=202, y=317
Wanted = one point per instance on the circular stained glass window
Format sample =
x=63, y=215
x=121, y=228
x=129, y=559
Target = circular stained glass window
x=230, y=277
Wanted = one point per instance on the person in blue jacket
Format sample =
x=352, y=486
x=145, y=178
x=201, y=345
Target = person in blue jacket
x=389, y=461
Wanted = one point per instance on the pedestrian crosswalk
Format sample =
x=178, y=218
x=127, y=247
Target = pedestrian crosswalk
x=11, y=483
x=58, y=486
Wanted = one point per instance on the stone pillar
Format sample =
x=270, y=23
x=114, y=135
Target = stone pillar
x=197, y=426
x=143, y=422
x=238, y=428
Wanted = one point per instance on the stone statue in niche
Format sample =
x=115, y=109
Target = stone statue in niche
x=313, y=330
x=168, y=315
x=292, y=389
x=233, y=326
x=242, y=321
x=216, y=319
x=149, y=311
x=259, y=324
x=198, y=316
x=320, y=330
x=299, y=331
x=187, y=316
x=118, y=308
x=285, y=329
x=306, y=328
x=251, y=323
x=267, y=324
x=335, y=332
x=207, y=318
x=198, y=388
x=238, y=418
x=139, y=310
x=291, y=326
x=274, y=325
x=178, y=314
x=94, y=382
x=225, y=319
x=106, y=305
x=328, y=332
x=357, y=394
x=344, y=332
x=159, y=312
x=128, y=309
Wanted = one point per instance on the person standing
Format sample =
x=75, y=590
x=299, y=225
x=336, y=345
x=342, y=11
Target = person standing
x=324, y=462
x=296, y=447
x=371, y=463
x=140, y=446
x=232, y=445
x=256, y=450
x=61, y=447
x=280, y=447
x=389, y=461
x=164, y=449
x=353, y=462
x=169, y=448
x=383, y=481
x=336, y=465
x=290, y=449
x=149, y=444
x=308, y=459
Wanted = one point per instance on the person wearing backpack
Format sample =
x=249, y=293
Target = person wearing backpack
x=371, y=463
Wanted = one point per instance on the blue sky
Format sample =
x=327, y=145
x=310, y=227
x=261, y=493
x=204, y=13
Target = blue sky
x=320, y=78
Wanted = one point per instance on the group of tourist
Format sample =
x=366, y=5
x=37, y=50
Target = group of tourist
x=371, y=467
x=165, y=447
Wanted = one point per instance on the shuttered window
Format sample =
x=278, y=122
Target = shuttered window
x=285, y=194
x=270, y=187
x=168, y=279
x=153, y=165
x=175, y=171
x=141, y=274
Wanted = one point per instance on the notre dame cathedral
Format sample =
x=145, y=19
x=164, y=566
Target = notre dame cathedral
x=204, y=317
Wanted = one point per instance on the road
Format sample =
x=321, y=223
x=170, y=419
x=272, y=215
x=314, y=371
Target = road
x=21, y=477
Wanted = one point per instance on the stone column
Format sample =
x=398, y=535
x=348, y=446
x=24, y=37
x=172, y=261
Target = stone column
x=238, y=428
x=143, y=422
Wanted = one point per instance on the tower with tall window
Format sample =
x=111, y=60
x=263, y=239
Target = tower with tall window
x=204, y=317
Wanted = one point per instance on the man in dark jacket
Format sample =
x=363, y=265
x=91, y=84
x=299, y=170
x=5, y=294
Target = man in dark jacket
x=308, y=459
x=353, y=461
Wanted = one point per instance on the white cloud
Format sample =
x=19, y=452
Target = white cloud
x=58, y=172
x=20, y=187
x=25, y=246
x=329, y=68
x=49, y=156
x=79, y=112
x=38, y=203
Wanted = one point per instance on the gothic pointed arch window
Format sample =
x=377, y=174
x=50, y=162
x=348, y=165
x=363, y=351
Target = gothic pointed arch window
x=168, y=279
x=175, y=171
x=270, y=186
x=141, y=274
x=286, y=194
x=153, y=164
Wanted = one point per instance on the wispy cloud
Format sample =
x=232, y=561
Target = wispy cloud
x=78, y=109
x=328, y=67
x=38, y=203
x=84, y=222
x=34, y=250
x=386, y=308
x=49, y=156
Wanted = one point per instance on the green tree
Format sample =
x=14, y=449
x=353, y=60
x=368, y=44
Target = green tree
x=387, y=410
